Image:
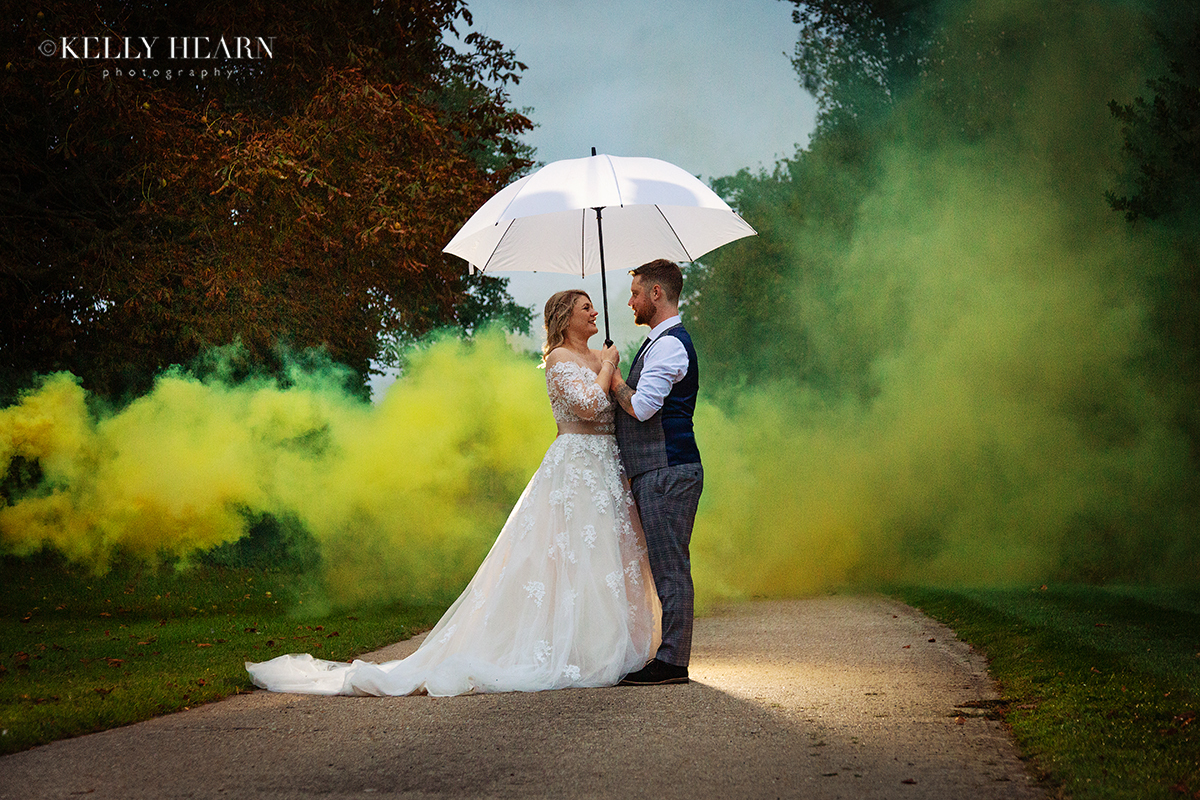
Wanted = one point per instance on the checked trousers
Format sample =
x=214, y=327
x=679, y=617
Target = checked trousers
x=667, y=499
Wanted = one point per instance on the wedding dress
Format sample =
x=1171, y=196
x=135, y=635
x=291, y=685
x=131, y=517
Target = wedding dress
x=564, y=598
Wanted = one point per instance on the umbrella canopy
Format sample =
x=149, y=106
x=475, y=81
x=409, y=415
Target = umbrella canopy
x=547, y=221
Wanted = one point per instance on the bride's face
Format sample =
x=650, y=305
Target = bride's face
x=583, y=318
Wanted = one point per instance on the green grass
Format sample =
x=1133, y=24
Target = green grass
x=80, y=653
x=1101, y=685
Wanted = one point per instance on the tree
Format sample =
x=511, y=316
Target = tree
x=1160, y=193
x=859, y=59
x=1162, y=135
x=857, y=56
x=296, y=195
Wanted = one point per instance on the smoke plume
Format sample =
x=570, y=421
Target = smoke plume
x=1012, y=427
x=403, y=498
x=991, y=410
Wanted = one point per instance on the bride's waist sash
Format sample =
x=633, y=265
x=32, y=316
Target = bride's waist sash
x=584, y=426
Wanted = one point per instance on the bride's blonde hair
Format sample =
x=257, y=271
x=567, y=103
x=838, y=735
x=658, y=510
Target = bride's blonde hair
x=558, y=313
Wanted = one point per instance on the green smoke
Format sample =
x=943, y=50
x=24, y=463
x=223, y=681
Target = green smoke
x=938, y=363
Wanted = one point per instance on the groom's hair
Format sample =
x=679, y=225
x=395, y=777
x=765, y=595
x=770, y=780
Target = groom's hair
x=664, y=273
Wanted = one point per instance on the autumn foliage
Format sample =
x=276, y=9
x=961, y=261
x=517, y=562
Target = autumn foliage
x=293, y=200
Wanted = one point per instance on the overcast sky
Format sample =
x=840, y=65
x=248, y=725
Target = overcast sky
x=704, y=84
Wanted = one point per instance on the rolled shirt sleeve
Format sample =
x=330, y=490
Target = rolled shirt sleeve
x=664, y=364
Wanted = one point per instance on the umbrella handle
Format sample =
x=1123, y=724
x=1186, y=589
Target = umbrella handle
x=603, y=281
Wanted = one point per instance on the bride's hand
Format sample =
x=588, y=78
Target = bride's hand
x=610, y=354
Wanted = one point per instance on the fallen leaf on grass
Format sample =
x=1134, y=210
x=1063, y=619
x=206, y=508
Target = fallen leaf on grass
x=909, y=781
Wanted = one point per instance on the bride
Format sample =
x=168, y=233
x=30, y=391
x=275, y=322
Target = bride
x=564, y=597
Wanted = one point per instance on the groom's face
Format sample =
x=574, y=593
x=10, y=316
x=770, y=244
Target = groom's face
x=641, y=300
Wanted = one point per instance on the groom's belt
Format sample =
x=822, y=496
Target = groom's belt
x=582, y=426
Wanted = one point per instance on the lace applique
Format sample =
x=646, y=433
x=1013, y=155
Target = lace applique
x=633, y=572
x=536, y=590
x=563, y=544
x=589, y=536
x=543, y=651
x=477, y=594
x=559, y=497
x=575, y=396
x=569, y=489
x=615, y=581
x=600, y=495
x=527, y=523
x=571, y=672
x=449, y=632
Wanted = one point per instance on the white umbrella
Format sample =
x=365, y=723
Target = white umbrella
x=551, y=220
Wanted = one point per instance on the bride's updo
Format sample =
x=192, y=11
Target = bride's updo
x=558, y=313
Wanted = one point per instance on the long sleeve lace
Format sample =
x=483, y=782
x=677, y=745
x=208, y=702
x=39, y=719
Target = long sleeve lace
x=574, y=393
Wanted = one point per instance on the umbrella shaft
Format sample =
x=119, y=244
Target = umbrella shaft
x=603, y=280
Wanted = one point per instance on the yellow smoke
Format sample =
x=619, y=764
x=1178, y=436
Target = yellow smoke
x=404, y=497
x=1012, y=424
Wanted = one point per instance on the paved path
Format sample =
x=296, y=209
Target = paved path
x=834, y=697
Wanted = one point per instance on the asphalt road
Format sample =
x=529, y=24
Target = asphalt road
x=832, y=697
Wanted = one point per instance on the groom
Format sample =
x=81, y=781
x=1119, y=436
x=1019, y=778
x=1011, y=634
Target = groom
x=658, y=450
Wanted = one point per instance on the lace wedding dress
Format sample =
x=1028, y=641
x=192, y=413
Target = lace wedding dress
x=564, y=597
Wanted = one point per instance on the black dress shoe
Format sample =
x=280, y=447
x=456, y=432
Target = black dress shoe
x=656, y=673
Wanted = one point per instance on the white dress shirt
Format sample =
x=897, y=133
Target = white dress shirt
x=664, y=363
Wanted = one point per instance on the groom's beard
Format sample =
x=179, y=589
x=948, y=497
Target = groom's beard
x=644, y=316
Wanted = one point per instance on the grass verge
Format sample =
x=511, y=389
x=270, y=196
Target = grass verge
x=1100, y=685
x=81, y=653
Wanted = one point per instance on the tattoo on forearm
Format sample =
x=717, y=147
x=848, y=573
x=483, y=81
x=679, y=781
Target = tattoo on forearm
x=624, y=395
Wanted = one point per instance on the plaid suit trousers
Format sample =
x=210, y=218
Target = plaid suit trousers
x=667, y=499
